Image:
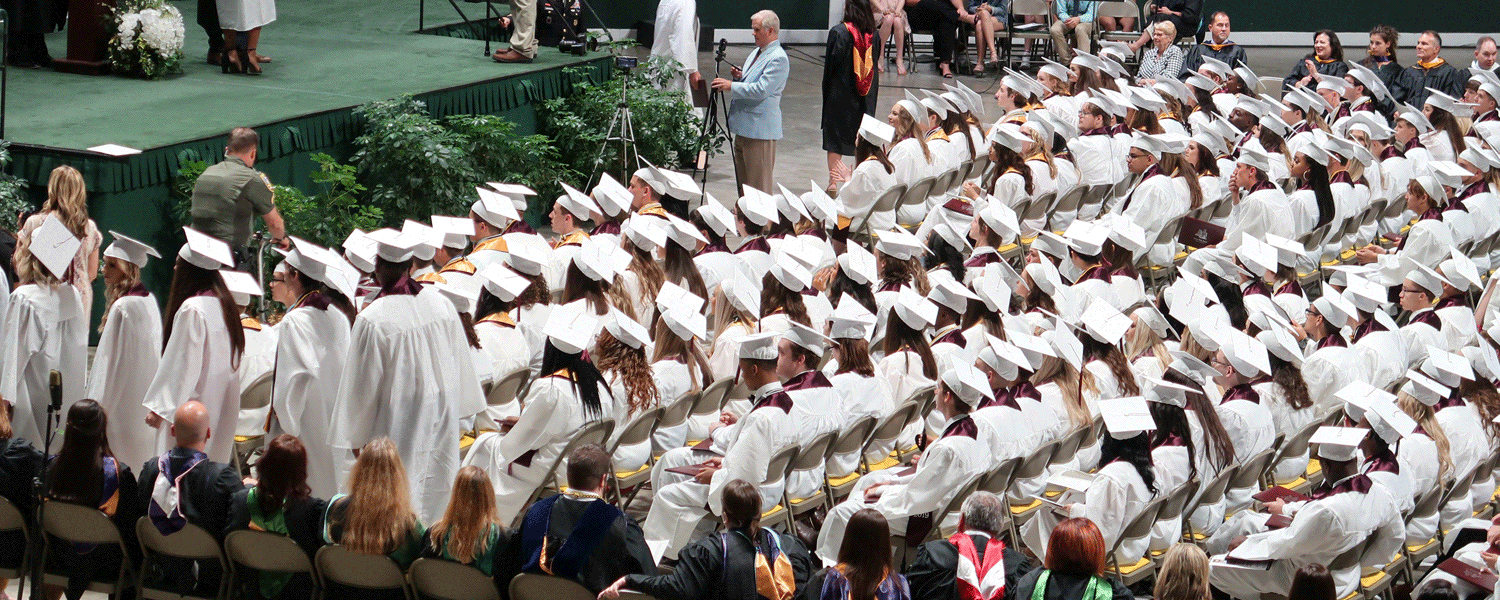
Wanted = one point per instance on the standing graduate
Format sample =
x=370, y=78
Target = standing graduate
x=45, y=329
x=314, y=336
x=126, y=360
x=850, y=84
x=204, y=344
x=400, y=380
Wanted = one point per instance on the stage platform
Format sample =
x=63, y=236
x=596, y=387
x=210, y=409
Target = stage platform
x=331, y=56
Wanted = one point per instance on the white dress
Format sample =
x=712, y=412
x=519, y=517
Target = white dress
x=46, y=328
x=407, y=377
x=201, y=367
x=124, y=365
x=244, y=15
x=677, y=39
x=309, y=368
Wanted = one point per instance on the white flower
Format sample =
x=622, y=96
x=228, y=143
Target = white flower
x=128, y=23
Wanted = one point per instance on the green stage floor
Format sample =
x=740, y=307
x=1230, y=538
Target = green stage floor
x=329, y=54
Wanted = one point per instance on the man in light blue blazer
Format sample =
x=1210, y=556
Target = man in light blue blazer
x=755, y=104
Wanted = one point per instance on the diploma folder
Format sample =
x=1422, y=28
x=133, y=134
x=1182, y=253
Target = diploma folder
x=1199, y=234
x=1280, y=493
x=1469, y=573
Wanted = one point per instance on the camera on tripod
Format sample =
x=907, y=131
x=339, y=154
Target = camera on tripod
x=626, y=63
x=723, y=47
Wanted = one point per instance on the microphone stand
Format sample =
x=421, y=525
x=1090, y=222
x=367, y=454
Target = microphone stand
x=39, y=488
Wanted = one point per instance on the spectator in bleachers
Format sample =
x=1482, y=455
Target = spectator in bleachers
x=469, y=532
x=281, y=502
x=1484, y=56
x=890, y=17
x=862, y=574
x=1116, y=24
x=1217, y=46
x=1182, y=14
x=1383, y=61
x=941, y=17
x=935, y=574
x=1076, y=17
x=1184, y=574
x=376, y=516
x=1164, y=59
x=1327, y=58
x=85, y=472
x=1431, y=71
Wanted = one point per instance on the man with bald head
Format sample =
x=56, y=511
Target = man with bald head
x=183, y=487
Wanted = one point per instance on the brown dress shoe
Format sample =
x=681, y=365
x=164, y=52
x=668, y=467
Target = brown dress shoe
x=510, y=55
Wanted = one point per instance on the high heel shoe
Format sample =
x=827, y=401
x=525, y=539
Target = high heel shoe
x=251, y=68
x=229, y=62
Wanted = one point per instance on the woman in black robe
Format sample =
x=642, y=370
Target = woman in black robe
x=1382, y=60
x=849, y=83
x=29, y=21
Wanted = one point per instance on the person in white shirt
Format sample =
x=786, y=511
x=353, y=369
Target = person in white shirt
x=676, y=39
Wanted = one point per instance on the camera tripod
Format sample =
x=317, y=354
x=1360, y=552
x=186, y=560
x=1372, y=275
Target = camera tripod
x=621, y=126
x=715, y=119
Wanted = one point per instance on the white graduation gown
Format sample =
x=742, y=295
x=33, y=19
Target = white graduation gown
x=677, y=39
x=408, y=377
x=124, y=365
x=202, y=369
x=309, y=368
x=259, y=359
x=857, y=196
x=1252, y=429
x=862, y=396
x=46, y=329
x=1113, y=498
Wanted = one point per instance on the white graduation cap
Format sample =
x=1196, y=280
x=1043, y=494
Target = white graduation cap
x=200, y=250
x=1001, y=219
x=1044, y=274
x=1146, y=99
x=571, y=327
x=742, y=293
x=1257, y=256
x=672, y=295
x=684, y=233
x=949, y=293
x=716, y=216
x=652, y=178
x=494, y=207
x=128, y=249
x=1087, y=61
x=993, y=289
x=1368, y=78
x=1247, y=76
x=1390, y=422
x=360, y=250
x=1152, y=318
x=859, y=264
x=917, y=312
x=1102, y=322
x=1360, y=396
x=1414, y=117
x=1451, y=105
x=1336, y=85
x=1056, y=69
x=1166, y=392
x=577, y=203
x=789, y=204
x=597, y=261
x=1086, y=237
x=611, y=196
x=1423, y=388
x=463, y=297
x=685, y=324
x=807, y=337
x=935, y=104
x=1246, y=354
x=627, y=330
x=1460, y=271
x=455, y=230
x=1447, y=367
x=1035, y=348
x=757, y=206
x=680, y=185
x=759, y=346
x=967, y=383
x=394, y=246
x=1051, y=244
x=898, y=244
x=1066, y=345
x=242, y=284
x=1200, y=82
x=527, y=259
x=1127, y=234
x=819, y=206
x=503, y=283
x=646, y=232
x=791, y=274
x=976, y=103
x=428, y=239
x=1251, y=105
x=1126, y=418
x=1152, y=144
x=1307, y=144
x=1007, y=359
x=1254, y=157
x=1339, y=444
x=1427, y=279
x=1010, y=136
x=851, y=320
x=515, y=191
x=1485, y=361
x=1288, y=252
x=1192, y=367
x=314, y=261
x=876, y=132
x=1484, y=160
x=1279, y=341
x=1335, y=309
x=1275, y=123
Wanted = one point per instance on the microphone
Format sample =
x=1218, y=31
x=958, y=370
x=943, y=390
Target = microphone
x=55, y=383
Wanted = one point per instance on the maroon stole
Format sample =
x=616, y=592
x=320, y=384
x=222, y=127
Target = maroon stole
x=1332, y=340
x=1358, y=483
x=807, y=380
x=1451, y=301
x=964, y=426
x=1429, y=317
x=755, y=243
x=607, y=227
x=404, y=286
x=1242, y=391
x=1366, y=328
x=982, y=260
x=138, y=290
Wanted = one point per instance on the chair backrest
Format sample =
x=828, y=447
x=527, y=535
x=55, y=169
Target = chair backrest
x=529, y=586
x=1222, y=212
x=780, y=464
x=265, y=551
x=887, y=202
x=1250, y=472
x=189, y=542
x=1029, y=8
x=1213, y=491
x=1427, y=504
x=854, y=436
x=917, y=191
x=1040, y=207
x=1070, y=444
x=1349, y=559
x=1297, y=444
x=1036, y=464
x=955, y=503
x=508, y=388
x=1126, y=10
x=1269, y=85
x=1177, y=500
x=1460, y=487
x=943, y=182
x=675, y=413
x=596, y=432
x=717, y=393
x=345, y=567
x=921, y=396
x=998, y=479
x=1069, y=202
x=78, y=524
x=890, y=428
x=258, y=395
x=1140, y=525
x=638, y=430
x=448, y=580
x=11, y=518
x=977, y=167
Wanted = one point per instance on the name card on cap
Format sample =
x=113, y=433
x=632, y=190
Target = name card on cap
x=55, y=246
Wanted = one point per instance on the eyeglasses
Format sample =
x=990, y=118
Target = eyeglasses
x=1221, y=363
x=1134, y=156
x=1405, y=290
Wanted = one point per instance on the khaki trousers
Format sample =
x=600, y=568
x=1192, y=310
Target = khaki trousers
x=754, y=164
x=523, y=22
x=1083, y=33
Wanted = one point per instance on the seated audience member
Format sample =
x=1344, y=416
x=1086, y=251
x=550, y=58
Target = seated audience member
x=1312, y=582
x=376, y=516
x=1182, y=14
x=1432, y=72
x=1075, y=17
x=1217, y=47
x=469, y=532
x=85, y=472
x=861, y=574
x=183, y=487
x=281, y=502
x=744, y=562
x=1327, y=58
x=1163, y=60
x=1381, y=58
x=941, y=17
x=1074, y=569
x=20, y=462
x=1183, y=575
x=577, y=534
x=935, y=574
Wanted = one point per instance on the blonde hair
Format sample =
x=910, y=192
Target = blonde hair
x=67, y=196
x=379, y=518
x=907, y=127
x=1184, y=574
x=1169, y=26
x=1071, y=383
x=1426, y=418
x=1043, y=149
x=1145, y=341
x=113, y=292
x=464, y=531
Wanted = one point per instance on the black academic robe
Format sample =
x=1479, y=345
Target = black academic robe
x=931, y=575
x=1444, y=78
x=1187, y=24
x=304, y=524
x=622, y=550
x=843, y=106
x=1337, y=68
x=1401, y=83
x=1231, y=53
x=206, y=492
x=20, y=463
x=1061, y=587
x=100, y=563
x=702, y=575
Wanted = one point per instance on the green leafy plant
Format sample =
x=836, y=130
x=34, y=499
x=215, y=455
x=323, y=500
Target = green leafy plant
x=665, y=130
x=499, y=154
x=328, y=217
x=13, y=198
x=413, y=166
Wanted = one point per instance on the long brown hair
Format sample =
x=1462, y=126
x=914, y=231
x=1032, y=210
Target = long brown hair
x=864, y=150
x=864, y=569
x=1288, y=377
x=1174, y=165
x=774, y=296
x=646, y=271
x=1113, y=358
x=1220, y=448
x=616, y=359
x=854, y=357
x=464, y=531
x=1005, y=160
x=669, y=346
x=1481, y=394
x=1445, y=121
x=282, y=474
x=379, y=518
x=899, y=336
x=678, y=267
x=76, y=475
x=189, y=280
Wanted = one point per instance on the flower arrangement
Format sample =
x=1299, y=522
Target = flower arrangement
x=148, y=39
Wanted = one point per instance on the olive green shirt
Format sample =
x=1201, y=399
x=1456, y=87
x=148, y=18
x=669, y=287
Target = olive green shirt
x=227, y=198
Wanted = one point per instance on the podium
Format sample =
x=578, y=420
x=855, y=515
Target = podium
x=88, y=38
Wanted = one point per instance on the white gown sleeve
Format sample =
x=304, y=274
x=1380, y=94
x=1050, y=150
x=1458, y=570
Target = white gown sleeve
x=184, y=352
